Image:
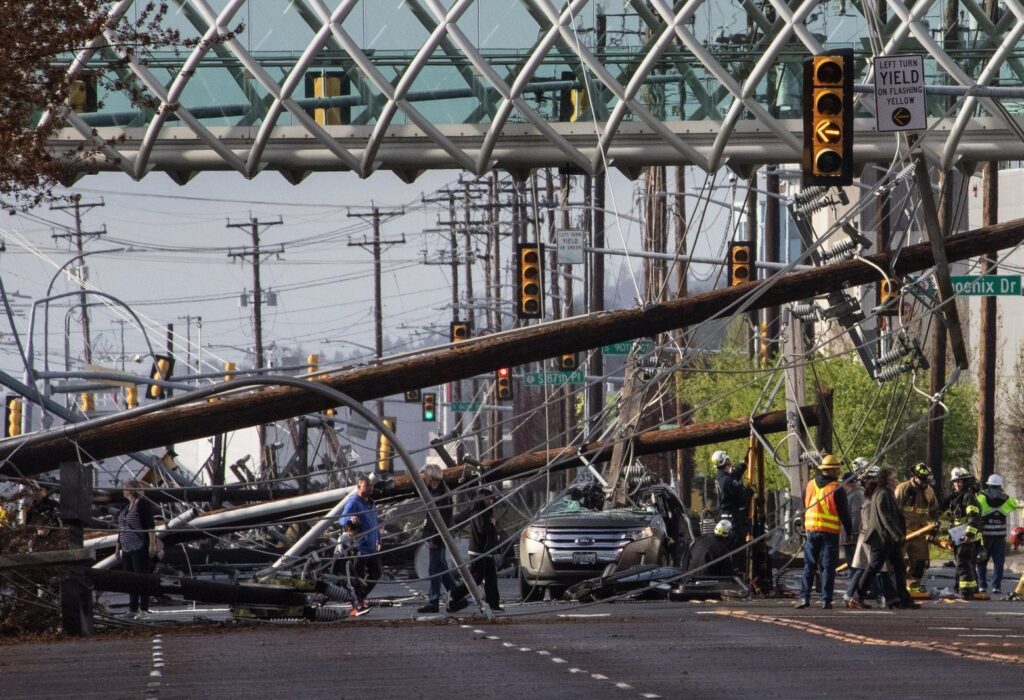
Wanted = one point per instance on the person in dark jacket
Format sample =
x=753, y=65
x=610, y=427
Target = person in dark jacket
x=483, y=540
x=438, y=567
x=712, y=547
x=733, y=502
x=886, y=530
x=136, y=541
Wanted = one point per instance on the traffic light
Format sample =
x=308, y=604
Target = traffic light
x=312, y=363
x=764, y=345
x=82, y=94
x=568, y=361
x=460, y=330
x=429, y=405
x=163, y=366
x=131, y=397
x=740, y=263
x=412, y=396
x=87, y=402
x=385, y=450
x=888, y=293
x=573, y=102
x=529, y=281
x=503, y=384
x=12, y=415
x=828, y=119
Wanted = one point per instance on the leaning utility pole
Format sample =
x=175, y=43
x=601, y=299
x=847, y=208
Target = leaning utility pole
x=374, y=246
x=37, y=453
x=256, y=254
x=79, y=237
x=987, y=322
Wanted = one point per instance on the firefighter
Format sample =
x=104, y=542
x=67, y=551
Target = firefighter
x=713, y=548
x=996, y=505
x=920, y=507
x=826, y=512
x=965, y=529
x=733, y=502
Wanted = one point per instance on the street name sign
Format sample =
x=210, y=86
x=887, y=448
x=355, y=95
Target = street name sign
x=899, y=93
x=555, y=378
x=464, y=406
x=986, y=285
x=569, y=246
x=624, y=347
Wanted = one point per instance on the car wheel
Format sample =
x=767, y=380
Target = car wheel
x=528, y=592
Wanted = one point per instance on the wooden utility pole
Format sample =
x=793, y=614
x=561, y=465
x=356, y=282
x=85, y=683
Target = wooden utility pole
x=375, y=247
x=37, y=453
x=256, y=253
x=751, y=226
x=988, y=341
x=75, y=511
x=772, y=252
x=79, y=236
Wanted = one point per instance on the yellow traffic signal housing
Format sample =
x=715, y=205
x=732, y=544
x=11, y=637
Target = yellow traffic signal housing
x=568, y=361
x=740, y=263
x=325, y=84
x=312, y=363
x=385, y=450
x=503, y=384
x=131, y=397
x=12, y=416
x=888, y=295
x=764, y=345
x=828, y=119
x=87, y=402
x=460, y=330
x=82, y=93
x=529, y=281
x=163, y=365
x=429, y=405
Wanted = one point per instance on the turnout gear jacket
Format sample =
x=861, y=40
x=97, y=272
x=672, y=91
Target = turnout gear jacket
x=963, y=509
x=919, y=505
x=826, y=509
x=733, y=496
x=995, y=506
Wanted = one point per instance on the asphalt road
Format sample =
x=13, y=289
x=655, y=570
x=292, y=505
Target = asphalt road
x=546, y=650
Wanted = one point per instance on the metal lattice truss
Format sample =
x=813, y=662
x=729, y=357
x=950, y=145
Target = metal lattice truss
x=732, y=105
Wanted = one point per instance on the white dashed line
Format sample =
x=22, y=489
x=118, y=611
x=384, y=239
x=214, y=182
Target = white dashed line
x=155, y=673
x=525, y=649
x=576, y=670
x=491, y=636
x=598, y=676
x=544, y=653
x=557, y=660
x=624, y=686
x=507, y=644
x=649, y=695
x=479, y=632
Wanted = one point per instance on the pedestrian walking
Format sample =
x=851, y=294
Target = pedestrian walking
x=964, y=530
x=362, y=511
x=886, y=531
x=483, y=540
x=882, y=583
x=436, y=551
x=344, y=563
x=920, y=507
x=996, y=505
x=826, y=513
x=136, y=541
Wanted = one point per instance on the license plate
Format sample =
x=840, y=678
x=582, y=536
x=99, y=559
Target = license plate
x=584, y=557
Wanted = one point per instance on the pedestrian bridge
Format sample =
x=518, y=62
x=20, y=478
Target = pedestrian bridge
x=414, y=85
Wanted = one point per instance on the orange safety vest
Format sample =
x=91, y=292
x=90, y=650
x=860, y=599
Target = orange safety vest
x=821, y=514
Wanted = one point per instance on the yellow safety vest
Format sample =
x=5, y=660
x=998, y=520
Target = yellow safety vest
x=821, y=514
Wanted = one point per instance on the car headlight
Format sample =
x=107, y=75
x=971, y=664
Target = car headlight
x=640, y=534
x=535, y=533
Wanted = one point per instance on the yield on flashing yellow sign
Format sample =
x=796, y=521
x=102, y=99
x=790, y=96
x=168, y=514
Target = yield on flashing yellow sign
x=986, y=285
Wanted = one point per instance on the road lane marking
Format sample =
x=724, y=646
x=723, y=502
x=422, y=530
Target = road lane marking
x=598, y=676
x=571, y=616
x=820, y=630
x=557, y=660
x=649, y=695
x=624, y=686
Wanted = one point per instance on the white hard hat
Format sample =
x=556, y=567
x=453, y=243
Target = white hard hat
x=720, y=458
x=861, y=463
x=959, y=473
x=872, y=471
x=995, y=480
x=723, y=528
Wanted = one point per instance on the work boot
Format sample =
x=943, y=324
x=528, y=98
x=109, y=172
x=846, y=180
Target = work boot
x=968, y=595
x=802, y=604
x=429, y=608
x=458, y=604
x=826, y=605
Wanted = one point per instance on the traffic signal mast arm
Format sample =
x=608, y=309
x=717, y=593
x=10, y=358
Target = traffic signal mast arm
x=44, y=451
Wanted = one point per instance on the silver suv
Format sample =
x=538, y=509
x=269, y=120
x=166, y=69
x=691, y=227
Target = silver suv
x=571, y=539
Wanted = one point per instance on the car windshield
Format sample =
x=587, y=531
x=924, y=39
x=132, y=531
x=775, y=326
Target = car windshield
x=566, y=505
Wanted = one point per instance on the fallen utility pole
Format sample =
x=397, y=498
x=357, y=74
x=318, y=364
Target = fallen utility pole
x=230, y=494
x=56, y=557
x=314, y=504
x=41, y=452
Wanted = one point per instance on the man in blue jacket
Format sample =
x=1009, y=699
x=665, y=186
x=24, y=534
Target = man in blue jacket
x=362, y=511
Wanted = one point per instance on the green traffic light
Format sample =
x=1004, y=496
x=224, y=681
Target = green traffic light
x=428, y=415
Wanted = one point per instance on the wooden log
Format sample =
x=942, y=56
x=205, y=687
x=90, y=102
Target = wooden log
x=57, y=557
x=35, y=454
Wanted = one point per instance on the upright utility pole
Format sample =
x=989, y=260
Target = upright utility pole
x=79, y=236
x=987, y=346
x=256, y=253
x=375, y=246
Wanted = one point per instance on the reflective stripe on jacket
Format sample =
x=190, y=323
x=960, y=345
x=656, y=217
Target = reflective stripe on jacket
x=995, y=506
x=821, y=513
